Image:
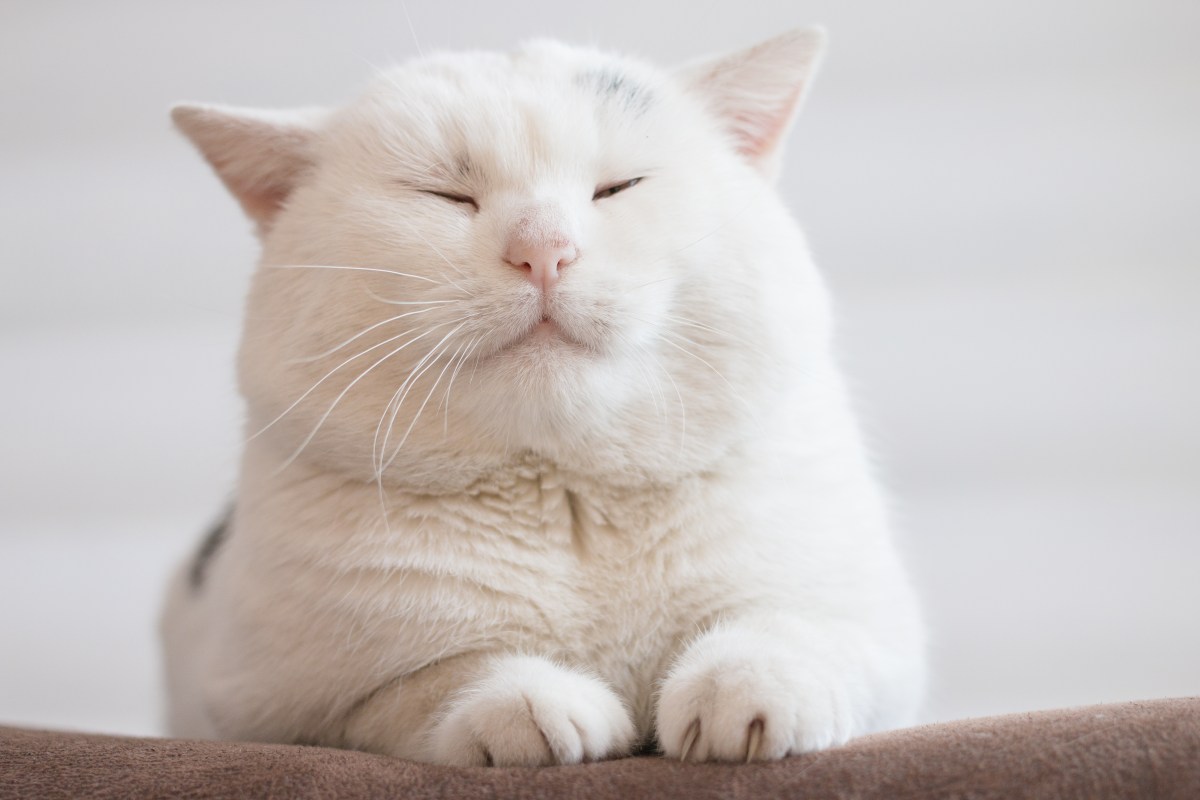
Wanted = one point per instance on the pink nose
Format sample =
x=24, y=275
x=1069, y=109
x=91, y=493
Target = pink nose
x=541, y=260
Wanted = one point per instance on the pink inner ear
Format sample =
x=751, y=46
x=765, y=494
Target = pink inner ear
x=759, y=133
x=260, y=193
x=261, y=204
x=259, y=156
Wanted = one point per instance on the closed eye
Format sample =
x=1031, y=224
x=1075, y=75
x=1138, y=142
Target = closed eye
x=613, y=188
x=461, y=199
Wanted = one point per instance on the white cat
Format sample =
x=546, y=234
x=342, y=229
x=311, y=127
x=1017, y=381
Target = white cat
x=548, y=458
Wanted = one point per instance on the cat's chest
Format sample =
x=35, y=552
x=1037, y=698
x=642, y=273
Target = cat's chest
x=575, y=569
x=610, y=580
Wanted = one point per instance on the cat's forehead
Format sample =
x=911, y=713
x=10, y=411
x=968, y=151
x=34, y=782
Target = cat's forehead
x=551, y=71
x=600, y=77
x=545, y=96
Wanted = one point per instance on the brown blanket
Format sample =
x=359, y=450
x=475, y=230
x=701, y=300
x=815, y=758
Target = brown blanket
x=1130, y=750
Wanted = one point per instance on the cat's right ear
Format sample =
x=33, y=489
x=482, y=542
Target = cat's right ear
x=259, y=155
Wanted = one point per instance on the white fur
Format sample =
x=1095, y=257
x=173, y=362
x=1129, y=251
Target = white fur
x=526, y=710
x=475, y=542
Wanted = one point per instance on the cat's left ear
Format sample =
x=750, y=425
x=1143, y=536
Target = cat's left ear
x=757, y=92
x=260, y=156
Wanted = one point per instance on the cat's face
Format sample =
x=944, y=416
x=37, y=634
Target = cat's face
x=555, y=251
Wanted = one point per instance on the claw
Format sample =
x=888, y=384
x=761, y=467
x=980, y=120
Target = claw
x=754, y=739
x=689, y=739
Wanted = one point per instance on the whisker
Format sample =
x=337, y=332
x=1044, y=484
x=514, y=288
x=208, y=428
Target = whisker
x=666, y=336
x=363, y=332
x=410, y=382
x=655, y=384
x=666, y=339
x=324, y=378
x=691, y=323
x=445, y=394
x=475, y=366
x=446, y=400
x=678, y=396
x=439, y=253
x=729, y=220
x=397, y=399
x=375, y=296
x=644, y=285
x=355, y=269
x=395, y=412
x=411, y=29
x=420, y=410
x=350, y=386
x=377, y=450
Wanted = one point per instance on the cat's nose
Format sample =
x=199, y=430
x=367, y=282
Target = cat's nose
x=541, y=261
x=541, y=244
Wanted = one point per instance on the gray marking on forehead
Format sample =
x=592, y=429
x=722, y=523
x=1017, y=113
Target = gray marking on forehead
x=611, y=83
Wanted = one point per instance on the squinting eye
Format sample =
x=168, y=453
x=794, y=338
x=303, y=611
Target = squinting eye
x=461, y=199
x=609, y=191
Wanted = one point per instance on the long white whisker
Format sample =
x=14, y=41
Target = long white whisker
x=445, y=394
x=678, y=397
x=429, y=360
x=695, y=242
x=654, y=384
x=378, y=450
x=417, y=416
x=446, y=400
x=363, y=332
x=377, y=297
x=440, y=255
x=343, y=393
x=475, y=367
x=691, y=323
x=411, y=29
x=665, y=338
x=324, y=378
x=647, y=283
x=398, y=397
x=355, y=269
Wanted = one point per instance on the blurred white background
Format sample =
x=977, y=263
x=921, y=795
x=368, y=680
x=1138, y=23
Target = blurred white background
x=1005, y=197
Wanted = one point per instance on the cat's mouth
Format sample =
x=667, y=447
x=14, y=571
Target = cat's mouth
x=542, y=332
x=546, y=331
x=547, y=328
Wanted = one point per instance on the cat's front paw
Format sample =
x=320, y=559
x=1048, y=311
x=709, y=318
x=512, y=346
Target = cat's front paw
x=528, y=711
x=745, y=696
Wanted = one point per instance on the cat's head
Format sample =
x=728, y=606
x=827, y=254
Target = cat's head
x=555, y=252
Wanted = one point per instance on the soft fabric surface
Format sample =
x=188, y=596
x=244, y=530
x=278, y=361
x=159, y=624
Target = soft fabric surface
x=1130, y=750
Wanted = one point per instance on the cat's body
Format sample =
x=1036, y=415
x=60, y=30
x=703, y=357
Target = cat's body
x=549, y=461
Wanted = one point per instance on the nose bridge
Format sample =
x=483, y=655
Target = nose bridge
x=541, y=242
x=541, y=225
